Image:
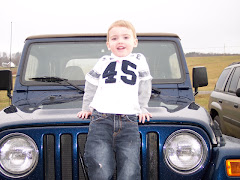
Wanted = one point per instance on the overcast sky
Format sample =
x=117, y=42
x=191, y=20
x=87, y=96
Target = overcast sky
x=203, y=25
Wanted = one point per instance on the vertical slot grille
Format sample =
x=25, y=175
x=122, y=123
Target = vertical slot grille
x=66, y=156
x=152, y=155
x=81, y=144
x=49, y=154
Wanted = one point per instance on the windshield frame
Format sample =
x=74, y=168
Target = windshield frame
x=103, y=40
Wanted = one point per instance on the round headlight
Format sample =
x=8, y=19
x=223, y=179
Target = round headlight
x=185, y=151
x=18, y=155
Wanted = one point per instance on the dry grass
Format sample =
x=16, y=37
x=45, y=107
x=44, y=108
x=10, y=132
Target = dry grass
x=202, y=100
x=214, y=65
x=4, y=100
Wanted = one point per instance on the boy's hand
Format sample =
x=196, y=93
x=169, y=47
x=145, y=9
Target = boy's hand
x=84, y=114
x=143, y=117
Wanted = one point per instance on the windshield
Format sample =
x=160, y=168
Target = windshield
x=72, y=60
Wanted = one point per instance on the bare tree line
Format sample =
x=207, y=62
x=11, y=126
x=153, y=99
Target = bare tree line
x=198, y=54
x=5, y=58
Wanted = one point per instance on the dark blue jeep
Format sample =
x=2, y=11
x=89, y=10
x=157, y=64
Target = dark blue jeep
x=42, y=138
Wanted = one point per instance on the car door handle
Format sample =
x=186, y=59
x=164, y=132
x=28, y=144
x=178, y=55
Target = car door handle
x=235, y=105
x=220, y=101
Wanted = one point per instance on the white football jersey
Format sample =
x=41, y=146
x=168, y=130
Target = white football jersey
x=118, y=80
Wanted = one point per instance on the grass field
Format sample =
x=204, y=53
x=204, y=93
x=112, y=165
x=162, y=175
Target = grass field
x=214, y=65
x=4, y=100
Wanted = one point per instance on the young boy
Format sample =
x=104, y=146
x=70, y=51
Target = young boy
x=117, y=92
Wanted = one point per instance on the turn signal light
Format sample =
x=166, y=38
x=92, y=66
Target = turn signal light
x=233, y=167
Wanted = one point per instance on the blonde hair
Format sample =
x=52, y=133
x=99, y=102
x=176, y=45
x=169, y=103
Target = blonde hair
x=122, y=23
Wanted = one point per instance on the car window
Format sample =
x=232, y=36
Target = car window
x=162, y=58
x=234, y=81
x=72, y=60
x=228, y=82
x=238, y=84
x=221, y=80
x=65, y=60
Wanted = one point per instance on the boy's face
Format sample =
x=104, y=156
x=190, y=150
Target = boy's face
x=121, y=41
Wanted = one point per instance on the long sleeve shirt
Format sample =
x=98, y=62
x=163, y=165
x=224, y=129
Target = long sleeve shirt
x=118, y=85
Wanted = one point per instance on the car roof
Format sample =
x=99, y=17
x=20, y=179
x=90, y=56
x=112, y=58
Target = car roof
x=234, y=64
x=97, y=35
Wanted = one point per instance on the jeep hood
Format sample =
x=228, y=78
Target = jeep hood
x=165, y=110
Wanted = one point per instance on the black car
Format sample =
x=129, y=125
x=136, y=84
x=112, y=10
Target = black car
x=224, y=102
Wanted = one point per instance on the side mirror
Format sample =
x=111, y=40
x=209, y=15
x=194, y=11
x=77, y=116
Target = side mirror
x=238, y=92
x=199, y=76
x=6, y=81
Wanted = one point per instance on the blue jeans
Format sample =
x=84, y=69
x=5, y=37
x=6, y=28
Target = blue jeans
x=113, y=142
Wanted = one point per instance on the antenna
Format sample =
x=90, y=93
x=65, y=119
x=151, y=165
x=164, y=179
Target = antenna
x=9, y=93
x=11, y=47
x=224, y=49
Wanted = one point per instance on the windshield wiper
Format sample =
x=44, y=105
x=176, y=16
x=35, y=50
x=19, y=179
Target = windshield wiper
x=33, y=104
x=156, y=90
x=56, y=80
